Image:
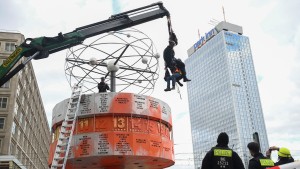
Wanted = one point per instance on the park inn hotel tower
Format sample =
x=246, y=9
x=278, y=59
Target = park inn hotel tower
x=223, y=94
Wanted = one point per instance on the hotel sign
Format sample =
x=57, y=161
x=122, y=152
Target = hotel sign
x=205, y=38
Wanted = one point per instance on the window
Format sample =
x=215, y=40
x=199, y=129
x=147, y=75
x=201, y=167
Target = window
x=10, y=47
x=5, y=85
x=3, y=102
x=29, y=79
x=23, y=98
x=2, y=122
x=12, y=148
x=16, y=109
x=33, y=87
x=24, y=85
x=26, y=69
x=29, y=117
x=24, y=128
x=21, y=118
x=13, y=128
x=18, y=153
x=20, y=74
x=1, y=140
x=18, y=90
x=21, y=138
x=18, y=133
x=26, y=111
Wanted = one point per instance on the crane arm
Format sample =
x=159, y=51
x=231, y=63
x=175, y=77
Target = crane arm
x=41, y=47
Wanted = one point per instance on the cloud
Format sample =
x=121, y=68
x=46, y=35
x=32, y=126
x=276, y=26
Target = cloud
x=116, y=6
x=280, y=87
x=13, y=15
x=282, y=21
x=272, y=27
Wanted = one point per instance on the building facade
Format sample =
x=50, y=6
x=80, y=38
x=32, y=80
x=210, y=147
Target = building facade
x=24, y=128
x=223, y=94
x=10, y=162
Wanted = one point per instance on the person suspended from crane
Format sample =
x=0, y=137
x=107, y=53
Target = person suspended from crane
x=176, y=76
x=167, y=74
x=176, y=66
x=169, y=54
x=180, y=65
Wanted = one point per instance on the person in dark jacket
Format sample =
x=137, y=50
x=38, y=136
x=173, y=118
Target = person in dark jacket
x=284, y=155
x=102, y=86
x=221, y=156
x=173, y=78
x=259, y=161
x=168, y=76
x=169, y=56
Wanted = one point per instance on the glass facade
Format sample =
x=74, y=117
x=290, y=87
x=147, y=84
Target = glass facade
x=223, y=96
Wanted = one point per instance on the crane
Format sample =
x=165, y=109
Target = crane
x=42, y=47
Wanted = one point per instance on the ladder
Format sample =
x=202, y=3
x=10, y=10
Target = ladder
x=66, y=132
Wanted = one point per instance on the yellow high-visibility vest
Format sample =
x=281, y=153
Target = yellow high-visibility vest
x=266, y=162
x=222, y=152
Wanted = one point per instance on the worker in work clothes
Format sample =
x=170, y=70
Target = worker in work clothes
x=175, y=75
x=284, y=155
x=181, y=66
x=102, y=86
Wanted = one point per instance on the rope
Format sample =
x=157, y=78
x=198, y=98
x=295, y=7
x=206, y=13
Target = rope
x=172, y=35
x=178, y=91
x=170, y=30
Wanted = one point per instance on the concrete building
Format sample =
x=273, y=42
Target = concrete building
x=223, y=94
x=24, y=129
x=10, y=162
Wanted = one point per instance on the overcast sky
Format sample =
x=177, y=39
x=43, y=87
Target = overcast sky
x=272, y=26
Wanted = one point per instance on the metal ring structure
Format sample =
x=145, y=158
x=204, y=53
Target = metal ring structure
x=132, y=51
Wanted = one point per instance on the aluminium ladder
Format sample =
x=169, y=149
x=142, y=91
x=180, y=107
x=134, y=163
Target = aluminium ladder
x=66, y=132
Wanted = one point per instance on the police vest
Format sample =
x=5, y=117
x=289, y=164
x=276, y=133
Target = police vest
x=265, y=162
x=222, y=158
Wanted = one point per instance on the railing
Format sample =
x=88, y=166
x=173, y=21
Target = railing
x=294, y=165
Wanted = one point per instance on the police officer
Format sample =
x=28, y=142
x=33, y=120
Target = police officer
x=221, y=156
x=259, y=161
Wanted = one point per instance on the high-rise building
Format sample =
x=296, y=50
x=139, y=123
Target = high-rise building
x=223, y=94
x=24, y=128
